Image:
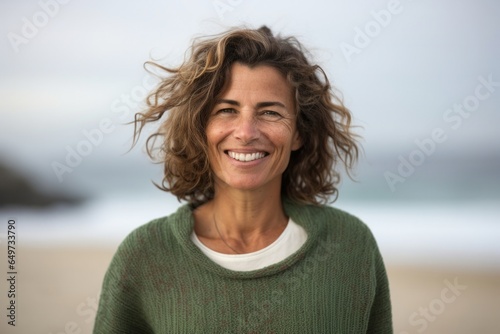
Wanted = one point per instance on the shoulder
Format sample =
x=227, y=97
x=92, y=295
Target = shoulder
x=331, y=222
x=147, y=252
x=324, y=215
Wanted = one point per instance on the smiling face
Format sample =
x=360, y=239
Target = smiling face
x=252, y=131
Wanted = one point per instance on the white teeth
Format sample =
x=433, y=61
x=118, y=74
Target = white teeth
x=246, y=156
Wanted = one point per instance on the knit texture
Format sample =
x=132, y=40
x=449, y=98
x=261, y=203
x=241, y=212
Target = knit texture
x=160, y=282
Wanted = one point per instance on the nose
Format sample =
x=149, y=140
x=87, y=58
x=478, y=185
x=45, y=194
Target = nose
x=246, y=129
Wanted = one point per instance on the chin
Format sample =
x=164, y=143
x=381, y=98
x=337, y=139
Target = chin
x=250, y=184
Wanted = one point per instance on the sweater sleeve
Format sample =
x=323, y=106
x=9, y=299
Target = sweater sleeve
x=380, y=321
x=120, y=309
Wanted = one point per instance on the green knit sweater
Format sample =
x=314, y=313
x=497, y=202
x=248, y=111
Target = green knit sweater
x=160, y=282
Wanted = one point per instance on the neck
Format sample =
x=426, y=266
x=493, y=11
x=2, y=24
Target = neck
x=246, y=221
x=240, y=214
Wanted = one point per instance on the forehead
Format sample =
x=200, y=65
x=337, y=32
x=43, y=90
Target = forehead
x=264, y=80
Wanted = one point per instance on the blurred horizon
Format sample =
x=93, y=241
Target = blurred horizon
x=447, y=177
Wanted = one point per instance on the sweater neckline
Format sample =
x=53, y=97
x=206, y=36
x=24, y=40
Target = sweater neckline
x=184, y=225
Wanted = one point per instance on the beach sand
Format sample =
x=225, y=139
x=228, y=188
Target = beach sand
x=58, y=288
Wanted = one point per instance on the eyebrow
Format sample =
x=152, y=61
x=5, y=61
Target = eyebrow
x=259, y=105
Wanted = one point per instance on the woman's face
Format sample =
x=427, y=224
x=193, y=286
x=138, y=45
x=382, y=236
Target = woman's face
x=252, y=129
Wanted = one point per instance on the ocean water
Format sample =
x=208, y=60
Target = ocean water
x=444, y=234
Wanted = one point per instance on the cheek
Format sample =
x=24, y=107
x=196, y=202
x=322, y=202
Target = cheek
x=284, y=136
x=213, y=133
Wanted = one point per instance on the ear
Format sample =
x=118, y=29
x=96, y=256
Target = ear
x=296, y=141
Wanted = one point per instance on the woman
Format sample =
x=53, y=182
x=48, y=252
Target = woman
x=251, y=140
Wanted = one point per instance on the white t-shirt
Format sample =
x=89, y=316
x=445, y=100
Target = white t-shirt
x=290, y=240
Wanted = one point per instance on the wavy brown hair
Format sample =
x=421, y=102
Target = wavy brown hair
x=186, y=94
